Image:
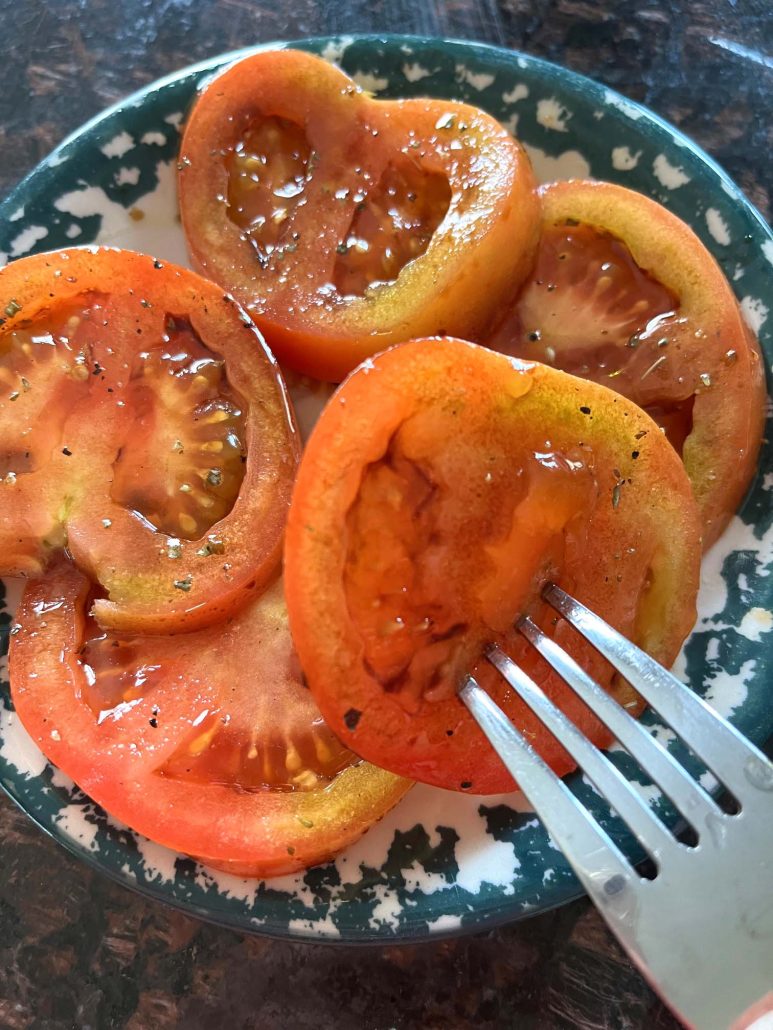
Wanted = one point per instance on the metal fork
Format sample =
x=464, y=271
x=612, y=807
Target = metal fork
x=701, y=931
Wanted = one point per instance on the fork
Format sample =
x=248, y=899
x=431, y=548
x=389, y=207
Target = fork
x=700, y=931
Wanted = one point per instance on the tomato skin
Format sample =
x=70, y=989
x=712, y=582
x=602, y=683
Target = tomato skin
x=118, y=759
x=68, y=499
x=716, y=354
x=473, y=425
x=479, y=253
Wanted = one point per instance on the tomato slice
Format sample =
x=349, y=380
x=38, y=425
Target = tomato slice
x=442, y=487
x=625, y=294
x=172, y=736
x=343, y=223
x=144, y=426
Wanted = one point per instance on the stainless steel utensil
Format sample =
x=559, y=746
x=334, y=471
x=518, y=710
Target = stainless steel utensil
x=701, y=931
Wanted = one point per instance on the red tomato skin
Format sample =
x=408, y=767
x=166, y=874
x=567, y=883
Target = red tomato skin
x=478, y=256
x=644, y=518
x=107, y=540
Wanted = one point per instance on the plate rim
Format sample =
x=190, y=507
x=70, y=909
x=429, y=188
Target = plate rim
x=211, y=64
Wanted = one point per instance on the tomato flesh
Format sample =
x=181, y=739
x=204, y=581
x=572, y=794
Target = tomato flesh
x=275, y=740
x=402, y=536
x=42, y=371
x=587, y=298
x=624, y=294
x=393, y=224
x=185, y=464
x=464, y=482
x=590, y=310
x=173, y=735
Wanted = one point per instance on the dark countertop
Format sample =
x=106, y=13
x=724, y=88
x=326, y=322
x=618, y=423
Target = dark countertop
x=78, y=951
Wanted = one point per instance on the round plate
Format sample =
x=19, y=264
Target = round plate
x=440, y=863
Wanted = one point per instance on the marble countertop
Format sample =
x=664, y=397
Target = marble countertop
x=77, y=951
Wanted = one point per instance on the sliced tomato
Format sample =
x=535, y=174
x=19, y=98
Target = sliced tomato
x=343, y=223
x=178, y=738
x=145, y=426
x=442, y=487
x=625, y=294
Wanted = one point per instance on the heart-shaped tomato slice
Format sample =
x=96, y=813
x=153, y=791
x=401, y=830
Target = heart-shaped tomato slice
x=344, y=223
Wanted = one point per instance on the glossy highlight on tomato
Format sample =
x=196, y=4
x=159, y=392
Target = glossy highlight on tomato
x=443, y=486
x=180, y=739
x=144, y=427
x=344, y=223
x=625, y=294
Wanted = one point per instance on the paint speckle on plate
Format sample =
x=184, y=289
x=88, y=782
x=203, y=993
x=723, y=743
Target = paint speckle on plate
x=371, y=83
x=519, y=92
x=670, y=176
x=569, y=165
x=127, y=177
x=511, y=124
x=444, y=924
x=755, y=312
x=73, y=822
x=118, y=145
x=153, y=138
x=623, y=106
x=415, y=72
x=552, y=114
x=756, y=622
x=335, y=49
x=718, y=227
x=26, y=240
x=623, y=160
x=478, y=80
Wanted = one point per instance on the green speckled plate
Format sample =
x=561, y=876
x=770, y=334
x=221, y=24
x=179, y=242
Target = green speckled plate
x=440, y=863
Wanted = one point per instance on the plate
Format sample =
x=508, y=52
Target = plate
x=440, y=863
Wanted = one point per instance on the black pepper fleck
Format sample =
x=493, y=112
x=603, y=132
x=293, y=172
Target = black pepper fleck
x=351, y=718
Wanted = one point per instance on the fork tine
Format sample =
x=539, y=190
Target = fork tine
x=710, y=736
x=672, y=778
x=607, y=779
x=597, y=861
